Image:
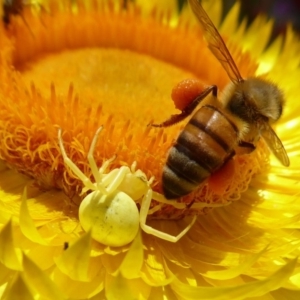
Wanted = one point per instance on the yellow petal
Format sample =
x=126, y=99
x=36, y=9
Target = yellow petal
x=154, y=271
x=8, y=254
x=120, y=288
x=236, y=271
x=27, y=225
x=150, y=6
x=19, y=290
x=237, y=292
x=4, y=274
x=258, y=42
x=39, y=280
x=43, y=255
x=75, y=260
x=269, y=58
x=131, y=265
x=80, y=289
x=231, y=20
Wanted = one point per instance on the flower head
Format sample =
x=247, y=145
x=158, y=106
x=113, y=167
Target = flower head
x=99, y=63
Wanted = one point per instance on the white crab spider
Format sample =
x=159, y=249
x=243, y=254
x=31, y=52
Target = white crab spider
x=110, y=211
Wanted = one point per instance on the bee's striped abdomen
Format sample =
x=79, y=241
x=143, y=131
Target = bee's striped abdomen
x=201, y=149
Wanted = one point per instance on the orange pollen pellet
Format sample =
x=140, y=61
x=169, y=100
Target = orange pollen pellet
x=186, y=91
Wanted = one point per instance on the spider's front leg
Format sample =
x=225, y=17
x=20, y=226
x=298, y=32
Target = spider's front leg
x=85, y=180
x=145, y=206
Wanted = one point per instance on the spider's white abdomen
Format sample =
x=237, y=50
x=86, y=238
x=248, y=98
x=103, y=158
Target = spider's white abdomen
x=113, y=219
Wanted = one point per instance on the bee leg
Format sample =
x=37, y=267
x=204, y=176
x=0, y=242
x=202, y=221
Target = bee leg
x=188, y=206
x=150, y=230
x=244, y=148
x=189, y=108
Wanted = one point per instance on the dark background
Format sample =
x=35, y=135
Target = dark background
x=282, y=11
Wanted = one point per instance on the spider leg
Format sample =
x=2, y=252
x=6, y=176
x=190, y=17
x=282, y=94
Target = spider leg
x=98, y=173
x=117, y=180
x=85, y=180
x=150, y=230
x=104, y=166
x=91, y=158
x=133, y=167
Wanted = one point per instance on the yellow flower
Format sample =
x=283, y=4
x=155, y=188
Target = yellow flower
x=77, y=67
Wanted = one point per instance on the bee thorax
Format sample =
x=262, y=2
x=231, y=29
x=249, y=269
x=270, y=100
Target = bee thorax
x=254, y=100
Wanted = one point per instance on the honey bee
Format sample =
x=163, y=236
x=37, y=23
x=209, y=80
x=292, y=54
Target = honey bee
x=218, y=129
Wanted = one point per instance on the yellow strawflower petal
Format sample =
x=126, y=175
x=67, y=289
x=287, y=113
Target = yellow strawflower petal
x=251, y=289
x=75, y=260
x=258, y=45
x=231, y=21
x=39, y=280
x=80, y=289
x=8, y=254
x=19, y=290
x=153, y=272
x=131, y=265
x=120, y=288
x=150, y=6
x=27, y=225
x=235, y=271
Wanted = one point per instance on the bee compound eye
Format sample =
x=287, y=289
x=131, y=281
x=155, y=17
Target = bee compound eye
x=113, y=219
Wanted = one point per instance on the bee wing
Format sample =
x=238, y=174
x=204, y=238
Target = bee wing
x=215, y=42
x=275, y=144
